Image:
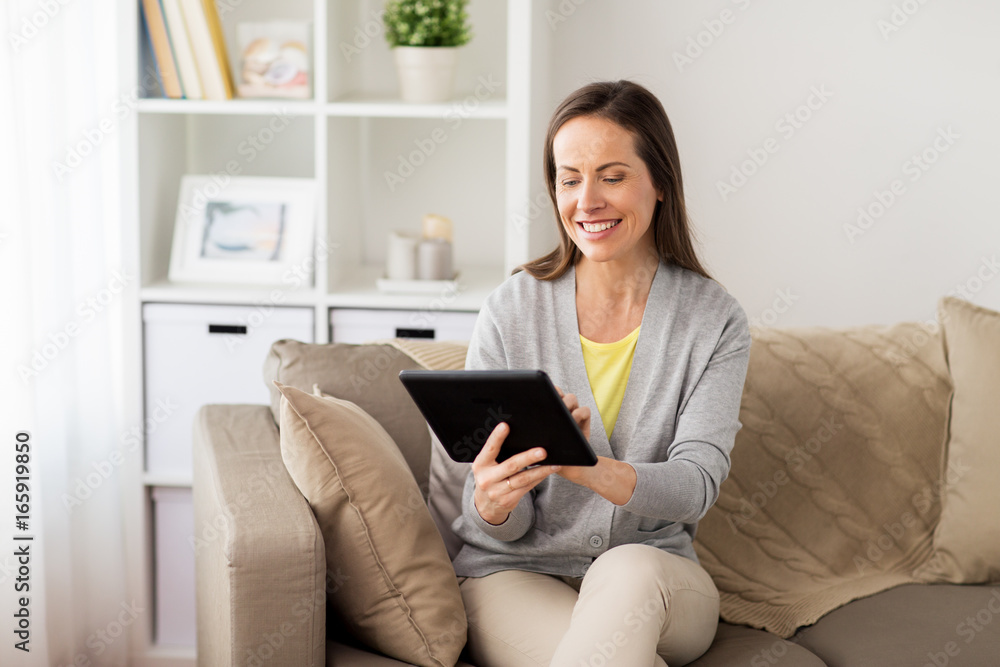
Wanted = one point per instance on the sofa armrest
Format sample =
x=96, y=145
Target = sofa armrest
x=260, y=567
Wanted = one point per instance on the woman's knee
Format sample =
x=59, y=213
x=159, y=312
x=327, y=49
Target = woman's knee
x=637, y=566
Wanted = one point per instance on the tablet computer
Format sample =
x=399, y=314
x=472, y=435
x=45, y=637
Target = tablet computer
x=463, y=408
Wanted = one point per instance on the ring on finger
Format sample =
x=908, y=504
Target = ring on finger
x=509, y=486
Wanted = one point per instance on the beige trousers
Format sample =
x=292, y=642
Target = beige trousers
x=637, y=606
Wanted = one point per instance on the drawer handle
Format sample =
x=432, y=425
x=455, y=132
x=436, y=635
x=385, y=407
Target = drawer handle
x=414, y=333
x=227, y=328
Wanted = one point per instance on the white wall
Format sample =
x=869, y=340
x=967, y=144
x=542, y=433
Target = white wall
x=784, y=229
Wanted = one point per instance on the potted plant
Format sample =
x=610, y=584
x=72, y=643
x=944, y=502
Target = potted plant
x=424, y=36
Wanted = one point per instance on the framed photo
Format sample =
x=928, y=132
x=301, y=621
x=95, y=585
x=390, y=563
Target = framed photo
x=274, y=59
x=240, y=230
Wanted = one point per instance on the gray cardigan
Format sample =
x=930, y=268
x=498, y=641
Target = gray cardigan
x=677, y=424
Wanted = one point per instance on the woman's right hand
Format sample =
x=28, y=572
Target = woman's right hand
x=500, y=486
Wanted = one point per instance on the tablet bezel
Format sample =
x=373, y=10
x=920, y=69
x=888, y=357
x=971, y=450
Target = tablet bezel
x=538, y=407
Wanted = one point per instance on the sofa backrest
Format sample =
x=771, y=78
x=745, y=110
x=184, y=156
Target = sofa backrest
x=367, y=375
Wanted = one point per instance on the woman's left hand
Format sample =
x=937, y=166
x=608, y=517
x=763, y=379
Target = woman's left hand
x=610, y=478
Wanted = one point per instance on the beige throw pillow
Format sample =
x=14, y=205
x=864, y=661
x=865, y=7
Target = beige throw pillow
x=967, y=538
x=394, y=586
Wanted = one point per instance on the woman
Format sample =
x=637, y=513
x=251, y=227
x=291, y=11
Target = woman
x=594, y=565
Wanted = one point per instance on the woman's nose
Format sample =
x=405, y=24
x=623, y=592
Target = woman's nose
x=590, y=197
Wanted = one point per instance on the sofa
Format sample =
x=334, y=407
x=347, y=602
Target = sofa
x=857, y=525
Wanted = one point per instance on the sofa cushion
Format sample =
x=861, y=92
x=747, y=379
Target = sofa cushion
x=831, y=495
x=914, y=624
x=345, y=655
x=967, y=539
x=367, y=375
x=395, y=588
x=740, y=645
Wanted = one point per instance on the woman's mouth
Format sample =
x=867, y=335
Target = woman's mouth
x=594, y=226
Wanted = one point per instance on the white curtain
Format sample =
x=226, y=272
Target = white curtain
x=60, y=325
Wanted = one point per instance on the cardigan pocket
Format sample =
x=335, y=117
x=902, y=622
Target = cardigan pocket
x=655, y=530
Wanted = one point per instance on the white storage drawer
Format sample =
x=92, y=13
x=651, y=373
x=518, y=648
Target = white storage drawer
x=198, y=354
x=353, y=325
x=173, y=525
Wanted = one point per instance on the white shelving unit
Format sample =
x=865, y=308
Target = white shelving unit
x=348, y=137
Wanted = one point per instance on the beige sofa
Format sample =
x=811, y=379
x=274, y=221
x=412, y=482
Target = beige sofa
x=810, y=539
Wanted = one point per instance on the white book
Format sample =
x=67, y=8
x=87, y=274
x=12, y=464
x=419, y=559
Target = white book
x=182, y=50
x=205, y=57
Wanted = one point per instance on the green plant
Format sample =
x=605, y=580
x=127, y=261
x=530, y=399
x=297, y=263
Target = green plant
x=427, y=23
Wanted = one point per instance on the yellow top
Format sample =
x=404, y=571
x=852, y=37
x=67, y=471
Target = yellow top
x=608, y=367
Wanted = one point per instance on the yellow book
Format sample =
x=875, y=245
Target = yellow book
x=219, y=42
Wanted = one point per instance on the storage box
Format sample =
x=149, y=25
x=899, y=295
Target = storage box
x=352, y=325
x=173, y=526
x=198, y=354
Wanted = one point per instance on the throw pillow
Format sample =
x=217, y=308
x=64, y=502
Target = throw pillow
x=367, y=375
x=967, y=538
x=395, y=588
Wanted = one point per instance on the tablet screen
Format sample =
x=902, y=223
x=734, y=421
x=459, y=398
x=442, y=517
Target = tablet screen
x=463, y=408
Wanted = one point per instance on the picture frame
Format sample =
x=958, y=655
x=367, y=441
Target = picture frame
x=244, y=231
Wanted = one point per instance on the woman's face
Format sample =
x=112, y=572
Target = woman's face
x=605, y=195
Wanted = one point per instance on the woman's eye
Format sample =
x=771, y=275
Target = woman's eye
x=614, y=179
x=569, y=184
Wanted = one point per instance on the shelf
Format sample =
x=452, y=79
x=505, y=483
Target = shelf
x=390, y=107
x=359, y=291
x=235, y=107
x=354, y=107
x=182, y=480
x=167, y=292
x=159, y=655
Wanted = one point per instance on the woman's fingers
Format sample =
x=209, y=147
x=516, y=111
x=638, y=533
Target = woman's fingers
x=488, y=454
x=582, y=418
x=526, y=480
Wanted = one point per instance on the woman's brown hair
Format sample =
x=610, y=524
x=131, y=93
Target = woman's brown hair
x=634, y=108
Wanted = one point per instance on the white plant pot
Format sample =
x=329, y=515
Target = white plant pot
x=426, y=73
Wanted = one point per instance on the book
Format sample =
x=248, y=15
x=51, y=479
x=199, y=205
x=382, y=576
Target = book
x=156, y=28
x=219, y=42
x=183, y=54
x=210, y=69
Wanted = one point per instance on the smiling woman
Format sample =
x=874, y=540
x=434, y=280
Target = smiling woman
x=653, y=352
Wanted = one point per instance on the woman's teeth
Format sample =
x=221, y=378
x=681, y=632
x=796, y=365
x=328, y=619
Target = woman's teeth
x=599, y=227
